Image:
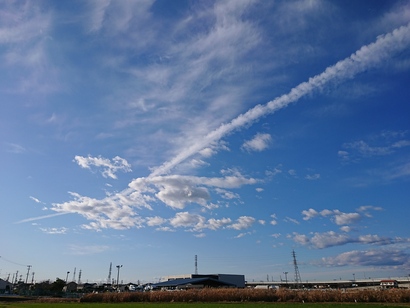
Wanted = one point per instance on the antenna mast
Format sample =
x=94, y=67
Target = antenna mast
x=297, y=274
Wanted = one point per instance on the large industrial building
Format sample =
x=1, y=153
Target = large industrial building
x=201, y=280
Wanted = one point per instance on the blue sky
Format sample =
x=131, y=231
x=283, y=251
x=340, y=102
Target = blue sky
x=144, y=133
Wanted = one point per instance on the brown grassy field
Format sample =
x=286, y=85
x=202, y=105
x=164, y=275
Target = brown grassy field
x=252, y=295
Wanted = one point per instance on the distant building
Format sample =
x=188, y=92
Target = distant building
x=389, y=284
x=200, y=281
x=5, y=287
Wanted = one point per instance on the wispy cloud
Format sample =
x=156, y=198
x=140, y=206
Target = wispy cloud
x=60, y=230
x=40, y=217
x=386, y=143
x=321, y=240
x=177, y=191
x=374, y=257
x=81, y=250
x=366, y=57
x=15, y=148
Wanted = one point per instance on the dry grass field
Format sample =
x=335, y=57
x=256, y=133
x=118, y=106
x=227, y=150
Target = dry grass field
x=252, y=295
x=225, y=298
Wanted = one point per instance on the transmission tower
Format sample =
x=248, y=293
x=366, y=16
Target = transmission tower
x=75, y=269
x=109, y=273
x=298, y=280
x=196, y=265
x=79, y=277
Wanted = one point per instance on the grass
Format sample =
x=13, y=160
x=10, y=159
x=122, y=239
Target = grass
x=199, y=305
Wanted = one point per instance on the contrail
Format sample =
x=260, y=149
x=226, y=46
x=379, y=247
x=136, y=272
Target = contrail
x=366, y=57
x=40, y=217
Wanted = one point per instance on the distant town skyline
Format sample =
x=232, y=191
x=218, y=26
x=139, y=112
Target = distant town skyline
x=145, y=133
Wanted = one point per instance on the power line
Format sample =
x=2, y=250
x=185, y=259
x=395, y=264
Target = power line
x=15, y=263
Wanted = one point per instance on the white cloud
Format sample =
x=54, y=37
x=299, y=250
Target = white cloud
x=215, y=224
x=312, y=177
x=259, y=143
x=385, y=143
x=60, y=230
x=240, y=235
x=226, y=194
x=109, y=167
x=117, y=211
x=338, y=217
x=177, y=191
x=81, y=250
x=309, y=214
x=155, y=221
x=273, y=222
x=243, y=222
x=345, y=229
x=321, y=240
x=288, y=219
x=35, y=199
x=185, y=219
x=15, y=148
x=382, y=257
x=366, y=57
x=345, y=218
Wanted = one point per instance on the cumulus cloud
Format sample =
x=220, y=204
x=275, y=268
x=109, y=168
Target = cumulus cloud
x=116, y=212
x=177, y=191
x=338, y=217
x=185, y=219
x=155, y=221
x=273, y=221
x=259, y=143
x=109, y=167
x=243, y=222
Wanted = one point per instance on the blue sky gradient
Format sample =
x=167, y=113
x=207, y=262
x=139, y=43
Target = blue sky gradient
x=144, y=133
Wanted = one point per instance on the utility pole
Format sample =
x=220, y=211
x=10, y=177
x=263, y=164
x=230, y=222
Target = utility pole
x=118, y=276
x=286, y=278
x=28, y=271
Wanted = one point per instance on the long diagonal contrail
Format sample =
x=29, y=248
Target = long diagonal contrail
x=366, y=57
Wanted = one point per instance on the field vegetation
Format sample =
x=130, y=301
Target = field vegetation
x=255, y=295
